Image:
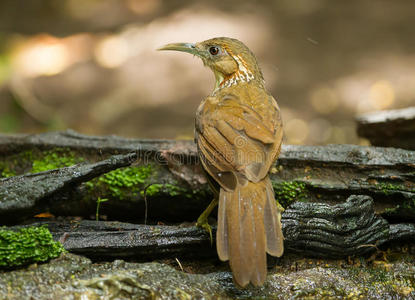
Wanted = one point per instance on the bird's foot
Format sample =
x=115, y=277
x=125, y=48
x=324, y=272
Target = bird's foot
x=203, y=222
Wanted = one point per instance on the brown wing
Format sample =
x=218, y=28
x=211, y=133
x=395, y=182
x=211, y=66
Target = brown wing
x=238, y=136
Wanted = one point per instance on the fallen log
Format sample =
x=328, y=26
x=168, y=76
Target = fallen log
x=389, y=128
x=167, y=182
x=315, y=230
x=31, y=193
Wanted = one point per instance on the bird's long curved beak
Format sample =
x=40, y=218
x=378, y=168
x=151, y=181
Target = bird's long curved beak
x=184, y=47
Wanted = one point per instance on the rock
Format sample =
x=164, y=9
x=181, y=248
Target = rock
x=75, y=277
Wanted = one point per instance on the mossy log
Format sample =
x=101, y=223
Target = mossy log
x=27, y=195
x=315, y=230
x=167, y=183
x=389, y=128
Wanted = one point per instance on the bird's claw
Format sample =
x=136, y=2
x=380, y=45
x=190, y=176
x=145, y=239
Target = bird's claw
x=203, y=223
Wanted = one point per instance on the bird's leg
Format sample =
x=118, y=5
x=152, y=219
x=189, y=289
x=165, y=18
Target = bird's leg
x=202, y=221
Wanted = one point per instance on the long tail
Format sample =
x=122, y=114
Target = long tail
x=249, y=225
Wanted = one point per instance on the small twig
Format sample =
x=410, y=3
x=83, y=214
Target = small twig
x=63, y=238
x=368, y=245
x=180, y=265
x=99, y=200
x=145, y=202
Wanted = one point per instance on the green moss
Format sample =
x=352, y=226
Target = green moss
x=5, y=170
x=55, y=159
x=152, y=190
x=129, y=182
x=123, y=180
x=406, y=208
x=15, y=164
x=388, y=188
x=287, y=192
x=34, y=161
x=28, y=245
x=170, y=189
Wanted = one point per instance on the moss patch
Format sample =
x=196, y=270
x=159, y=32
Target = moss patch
x=287, y=192
x=28, y=245
x=34, y=161
x=172, y=190
x=406, y=208
x=16, y=164
x=124, y=182
x=5, y=170
x=158, y=188
x=55, y=159
x=125, y=178
x=388, y=188
x=135, y=181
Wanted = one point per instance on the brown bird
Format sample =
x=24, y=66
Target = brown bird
x=238, y=134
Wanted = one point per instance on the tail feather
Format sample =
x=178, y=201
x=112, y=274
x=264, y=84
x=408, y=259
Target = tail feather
x=240, y=236
x=272, y=222
x=244, y=217
x=222, y=245
x=259, y=275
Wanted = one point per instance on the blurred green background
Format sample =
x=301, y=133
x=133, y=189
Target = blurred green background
x=91, y=65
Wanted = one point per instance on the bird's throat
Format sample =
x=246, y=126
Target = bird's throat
x=243, y=74
x=219, y=79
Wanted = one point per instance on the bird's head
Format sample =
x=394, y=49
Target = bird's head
x=230, y=60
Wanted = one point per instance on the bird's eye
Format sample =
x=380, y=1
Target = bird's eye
x=214, y=50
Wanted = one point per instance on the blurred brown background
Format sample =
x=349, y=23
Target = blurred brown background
x=91, y=65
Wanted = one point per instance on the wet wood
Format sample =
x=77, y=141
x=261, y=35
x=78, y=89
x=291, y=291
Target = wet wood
x=328, y=174
x=389, y=128
x=317, y=230
x=29, y=194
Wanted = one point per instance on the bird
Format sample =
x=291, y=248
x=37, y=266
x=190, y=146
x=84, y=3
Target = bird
x=238, y=132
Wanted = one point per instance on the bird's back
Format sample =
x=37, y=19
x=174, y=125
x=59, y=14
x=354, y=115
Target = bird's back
x=242, y=126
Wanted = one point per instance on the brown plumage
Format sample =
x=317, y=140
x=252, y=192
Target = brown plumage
x=238, y=134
